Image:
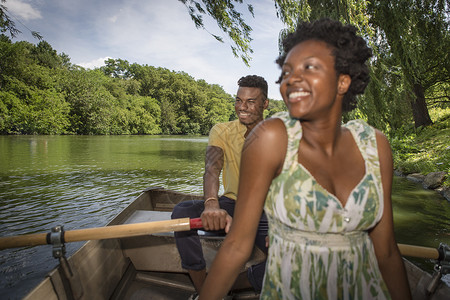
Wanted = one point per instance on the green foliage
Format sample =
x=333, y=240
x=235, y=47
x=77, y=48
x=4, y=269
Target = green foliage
x=137, y=115
x=46, y=56
x=42, y=93
x=229, y=20
x=384, y=104
x=410, y=40
x=117, y=68
x=424, y=149
x=274, y=107
x=91, y=104
x=45, y=114
x=7, y=26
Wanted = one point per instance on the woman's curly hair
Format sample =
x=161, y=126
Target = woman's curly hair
x=350, y=51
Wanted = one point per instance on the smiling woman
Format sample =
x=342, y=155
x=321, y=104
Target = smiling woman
x=311, y=64
x=325, y=186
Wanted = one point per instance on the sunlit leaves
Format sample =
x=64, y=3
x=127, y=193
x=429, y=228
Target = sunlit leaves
x=230, y=21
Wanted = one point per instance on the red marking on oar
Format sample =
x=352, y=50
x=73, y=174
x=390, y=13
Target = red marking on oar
x=196, y=223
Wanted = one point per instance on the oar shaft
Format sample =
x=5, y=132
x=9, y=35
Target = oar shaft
x=108, y=232
x=418, y=251
x=127, y=230
x=23, y=240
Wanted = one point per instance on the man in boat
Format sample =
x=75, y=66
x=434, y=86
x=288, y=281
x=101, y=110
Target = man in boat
x=223, y=154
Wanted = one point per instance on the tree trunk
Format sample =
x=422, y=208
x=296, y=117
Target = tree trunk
x=419, y=107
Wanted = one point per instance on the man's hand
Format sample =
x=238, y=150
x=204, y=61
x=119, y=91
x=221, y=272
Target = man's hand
x=214, y=218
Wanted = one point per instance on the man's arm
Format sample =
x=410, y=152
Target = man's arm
x=213, y=218
x=213, y=166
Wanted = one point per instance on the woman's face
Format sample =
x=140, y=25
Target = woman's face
x=309, y=84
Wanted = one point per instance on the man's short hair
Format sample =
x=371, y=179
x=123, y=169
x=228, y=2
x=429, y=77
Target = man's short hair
x=254, y=81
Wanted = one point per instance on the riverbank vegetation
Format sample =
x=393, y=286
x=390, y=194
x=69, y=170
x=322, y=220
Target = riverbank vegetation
x=424, y=149
x=43, y=93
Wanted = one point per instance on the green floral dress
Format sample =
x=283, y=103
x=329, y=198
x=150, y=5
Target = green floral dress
x=318, y=248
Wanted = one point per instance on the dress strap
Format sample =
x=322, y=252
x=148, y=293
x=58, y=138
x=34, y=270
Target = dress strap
x=365, y=138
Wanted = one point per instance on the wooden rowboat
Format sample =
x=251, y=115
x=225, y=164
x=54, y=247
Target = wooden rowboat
x=148, y=267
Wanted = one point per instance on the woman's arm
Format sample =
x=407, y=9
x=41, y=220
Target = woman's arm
x=382, y=235
x=262, y=158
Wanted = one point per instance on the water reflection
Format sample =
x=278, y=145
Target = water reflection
x=84, y=181
x=421, y=217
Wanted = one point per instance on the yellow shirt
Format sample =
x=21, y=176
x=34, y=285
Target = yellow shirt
x=229, y=137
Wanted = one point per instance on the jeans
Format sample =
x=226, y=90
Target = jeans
x=190, y=249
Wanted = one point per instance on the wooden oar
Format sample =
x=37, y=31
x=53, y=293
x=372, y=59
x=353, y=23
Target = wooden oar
x=128, y=230
x=107, y=232
x=418, y=251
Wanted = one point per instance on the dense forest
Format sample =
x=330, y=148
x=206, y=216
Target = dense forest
x=41, y=92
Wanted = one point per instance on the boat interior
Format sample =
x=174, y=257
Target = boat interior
x=141, y=267
x=149, y=267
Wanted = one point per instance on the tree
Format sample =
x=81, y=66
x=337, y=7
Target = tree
x=91, y=104
x=42, y=93
x=30, y=101
x=8, y=26
x=414, y=36
x=46, y=56
x=229, y=17
x=117, y=68
x=418, y=36
x=229, y=20
x=274, y=107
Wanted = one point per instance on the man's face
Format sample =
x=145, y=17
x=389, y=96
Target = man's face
x=250, y=105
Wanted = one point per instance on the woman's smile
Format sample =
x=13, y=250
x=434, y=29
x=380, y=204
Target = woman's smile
x=297, y=96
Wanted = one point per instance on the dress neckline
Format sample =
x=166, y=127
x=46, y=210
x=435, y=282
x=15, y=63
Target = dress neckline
x=335, y=198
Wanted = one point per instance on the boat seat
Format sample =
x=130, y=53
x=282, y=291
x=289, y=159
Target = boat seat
x=157, y=251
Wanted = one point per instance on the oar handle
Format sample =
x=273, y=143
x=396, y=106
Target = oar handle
x=196, y=223
x=418, y=251
x=107, y=232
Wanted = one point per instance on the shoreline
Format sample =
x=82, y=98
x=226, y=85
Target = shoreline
x=432, y=181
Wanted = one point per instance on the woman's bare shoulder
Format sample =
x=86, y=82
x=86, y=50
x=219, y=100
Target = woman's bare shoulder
x=271, y=128
x=382, y=141
x=268, y=143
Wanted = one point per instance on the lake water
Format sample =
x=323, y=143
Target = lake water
x=84, y=181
